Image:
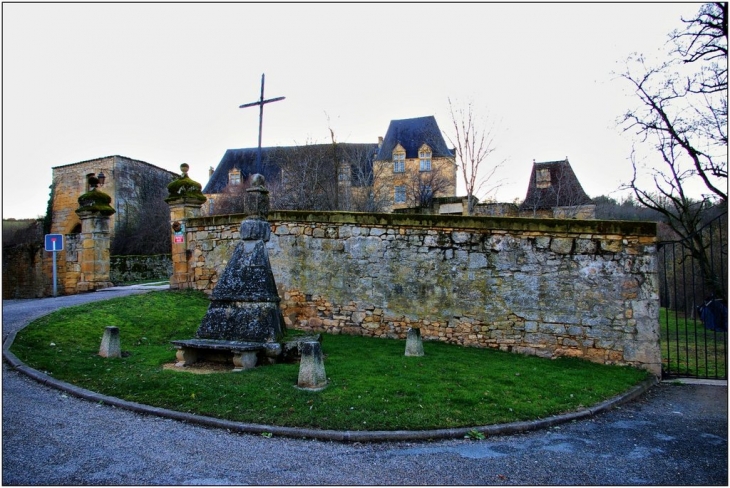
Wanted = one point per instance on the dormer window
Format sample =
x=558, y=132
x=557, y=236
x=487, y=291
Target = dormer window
x=543, y=178
x=424, y=157
x=234, y=177
x=399, y=162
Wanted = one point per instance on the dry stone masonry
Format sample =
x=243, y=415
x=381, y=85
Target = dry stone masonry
x=545, y=287
x=124, y=269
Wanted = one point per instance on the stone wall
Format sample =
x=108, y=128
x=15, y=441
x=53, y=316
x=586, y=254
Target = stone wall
x=127, y=180
x=70, y=273
x=23, y=275
x=125, y=269
x=69, y=184
x=28, y=270
x=496, y=209
x=543, y=287
x=458, y=206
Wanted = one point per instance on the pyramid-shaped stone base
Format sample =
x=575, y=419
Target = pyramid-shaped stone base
x=243, y=322
x=245, y=304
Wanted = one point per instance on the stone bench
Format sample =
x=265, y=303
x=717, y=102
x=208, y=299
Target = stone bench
x=245, y=354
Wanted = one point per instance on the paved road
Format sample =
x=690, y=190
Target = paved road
x=18, y=313
x=673, y=435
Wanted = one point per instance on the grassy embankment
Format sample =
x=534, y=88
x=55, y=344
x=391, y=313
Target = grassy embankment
x=372, y=385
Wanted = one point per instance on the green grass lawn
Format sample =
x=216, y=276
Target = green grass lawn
x=690, y=349
x=372, y=385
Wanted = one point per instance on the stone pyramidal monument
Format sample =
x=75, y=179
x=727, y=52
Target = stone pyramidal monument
x=244, y=317
x=245, y=304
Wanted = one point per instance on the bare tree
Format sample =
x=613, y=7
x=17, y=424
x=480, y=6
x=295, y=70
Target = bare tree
x=333, y=176
x=313, y=175
x=682, y=115
x=307, y=178
x=230, y=200
x=358, y=179
x=337, y=167
x=423, y=186
x=473, y=142
x=24, y=232
x=143, y=224
x=352, y=175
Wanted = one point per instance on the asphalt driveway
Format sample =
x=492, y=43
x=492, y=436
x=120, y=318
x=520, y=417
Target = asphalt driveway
x=672, y=435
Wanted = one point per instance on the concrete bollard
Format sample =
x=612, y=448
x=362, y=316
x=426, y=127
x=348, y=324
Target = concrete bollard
x=110, y=345
x=311, y=367
x=414, y=345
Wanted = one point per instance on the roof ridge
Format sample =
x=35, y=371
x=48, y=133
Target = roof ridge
x=414, y=118
x=113, y=156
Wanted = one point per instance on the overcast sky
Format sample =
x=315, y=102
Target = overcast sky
x=162, y=82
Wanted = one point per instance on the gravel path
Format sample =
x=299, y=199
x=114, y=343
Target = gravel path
x=673, y=435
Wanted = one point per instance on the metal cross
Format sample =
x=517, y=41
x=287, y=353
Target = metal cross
x=260, y=103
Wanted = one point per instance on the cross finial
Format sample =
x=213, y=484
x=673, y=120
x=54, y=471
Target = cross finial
x=260, y=103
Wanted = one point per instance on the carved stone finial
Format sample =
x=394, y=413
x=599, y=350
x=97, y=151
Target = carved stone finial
x=95, y=201
x=258, y=181
x=92, y=180
x=257, y=198
x=184, y=189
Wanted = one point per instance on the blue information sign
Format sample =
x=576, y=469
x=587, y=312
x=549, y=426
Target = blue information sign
x=54, y=242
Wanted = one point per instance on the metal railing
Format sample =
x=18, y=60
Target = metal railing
x=693, y=274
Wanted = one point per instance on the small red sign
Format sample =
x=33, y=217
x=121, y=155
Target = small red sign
x=179, y=239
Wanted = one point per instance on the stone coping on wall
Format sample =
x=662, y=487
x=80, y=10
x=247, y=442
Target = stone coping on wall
x=522, y=224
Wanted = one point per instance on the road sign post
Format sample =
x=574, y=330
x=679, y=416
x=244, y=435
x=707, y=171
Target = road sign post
x=54, y=243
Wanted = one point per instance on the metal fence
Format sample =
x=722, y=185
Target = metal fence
x=693, y=276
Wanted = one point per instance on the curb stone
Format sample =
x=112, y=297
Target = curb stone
x=329, y=435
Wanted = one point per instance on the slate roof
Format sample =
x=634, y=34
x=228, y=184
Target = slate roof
x=245, y=161
x=411, y=134
x=564, y=189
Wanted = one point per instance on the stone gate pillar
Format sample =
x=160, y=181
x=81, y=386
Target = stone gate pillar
x=185, y=200
x=95, y=240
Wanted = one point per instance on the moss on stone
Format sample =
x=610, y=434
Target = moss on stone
x=185, y=188
x=568, y=226
x=95, y=201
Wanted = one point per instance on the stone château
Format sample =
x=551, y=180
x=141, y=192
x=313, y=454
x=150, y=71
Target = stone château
x=411, y=163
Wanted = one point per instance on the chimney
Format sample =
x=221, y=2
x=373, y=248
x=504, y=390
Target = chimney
x=210, y=171
x=380, y=142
